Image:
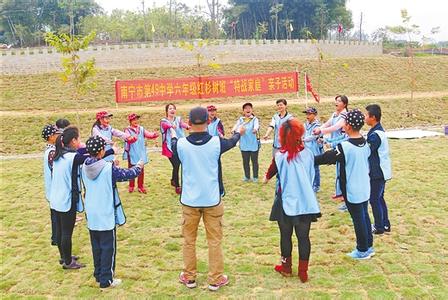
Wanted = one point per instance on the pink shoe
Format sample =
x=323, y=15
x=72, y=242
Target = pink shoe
x=188, y=283
x=224, y=280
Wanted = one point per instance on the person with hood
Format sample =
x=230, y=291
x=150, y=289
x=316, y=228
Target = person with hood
x=103, y=208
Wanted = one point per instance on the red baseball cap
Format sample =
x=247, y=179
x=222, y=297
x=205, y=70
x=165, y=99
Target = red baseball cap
x=211, y=108
x=133, y=117
x=103, y=114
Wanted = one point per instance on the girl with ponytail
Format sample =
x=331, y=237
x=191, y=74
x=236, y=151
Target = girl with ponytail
x=295, y=204
x=65, y=192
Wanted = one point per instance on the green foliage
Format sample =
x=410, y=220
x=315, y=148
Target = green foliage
x=198, y=49
x=318, y=16
x=74, y=71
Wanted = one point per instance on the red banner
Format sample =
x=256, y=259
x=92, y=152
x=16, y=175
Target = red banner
x=205, y=87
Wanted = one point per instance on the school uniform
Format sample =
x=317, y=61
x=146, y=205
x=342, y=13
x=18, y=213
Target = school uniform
x=103, y=212
x=380, y=172
x=249, y=144
x=137, y=151
x=48, y=176
x=276, y=123
x=107, y=133
x=311, y=142
x=215, y=127
x=351, y=157
x=165, y=126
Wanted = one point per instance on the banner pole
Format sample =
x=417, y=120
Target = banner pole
x=297, y=76
x=116, y=94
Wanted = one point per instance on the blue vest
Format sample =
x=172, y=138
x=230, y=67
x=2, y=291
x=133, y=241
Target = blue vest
x=311, y=142
x=278, y=124
x=383, y=154
x=249, y=140
x=108, y=134
x=47, y=172
x=61, y=185
x=200, y=184
x=357, y=172
x=166, y=136
x=337, y=136
x=137, y=150
x=103, y=205
x=212, y=128
x=295, y=180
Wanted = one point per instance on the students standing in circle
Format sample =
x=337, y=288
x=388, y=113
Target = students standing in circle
x=103, y=208
x=295, y=204
x=313, y=142
x=133, y=152
x=380, y=168
x=277, y=120
x=50, y=134
x=352, y=156
x=335, y=127
x=102, y=128
x=199, y=154
x=215, y=127
x=65, y=194
x=176, y=123
x=249, y=142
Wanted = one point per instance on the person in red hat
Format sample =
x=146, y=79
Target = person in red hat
x=136, y=151
x=102, y=128
x=215, y=127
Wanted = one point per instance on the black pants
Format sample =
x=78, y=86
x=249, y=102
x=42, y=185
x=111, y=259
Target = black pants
x=361, y=221
x=64, y=230
x=104, y=246
x=175, y=174
x=54, y=225
x=303, y=236
x=247, y=157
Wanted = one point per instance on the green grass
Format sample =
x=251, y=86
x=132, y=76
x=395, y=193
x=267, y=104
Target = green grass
x=351, y=76
x=410, y=262
x=24, y=131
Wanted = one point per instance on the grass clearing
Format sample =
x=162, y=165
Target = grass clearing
x=410, y=262
x=351, y=76
x=24, y=131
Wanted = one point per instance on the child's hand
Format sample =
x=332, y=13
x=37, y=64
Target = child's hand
x=115, y=148
x=242, y=130
x=116, y=162
x=265, y=137
x=265, y=180
x=316, y=131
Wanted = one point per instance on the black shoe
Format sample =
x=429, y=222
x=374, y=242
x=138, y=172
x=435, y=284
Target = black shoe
x=376, y=231
x=387, y=229
x=74, y=257
x=54, y=243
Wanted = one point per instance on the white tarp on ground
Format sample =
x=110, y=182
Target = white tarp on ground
x=411, y=134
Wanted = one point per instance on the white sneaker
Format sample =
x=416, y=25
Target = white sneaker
x=115, y=282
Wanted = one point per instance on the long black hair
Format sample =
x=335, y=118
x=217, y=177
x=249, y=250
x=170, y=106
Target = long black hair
x=97, y=124
x=64, y=139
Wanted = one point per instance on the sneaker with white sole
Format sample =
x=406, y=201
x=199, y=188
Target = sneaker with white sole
x=223, y=280
x=115, y=282
x=356, y=254
x=343, y=208
x=188, y=283
x=371, y=250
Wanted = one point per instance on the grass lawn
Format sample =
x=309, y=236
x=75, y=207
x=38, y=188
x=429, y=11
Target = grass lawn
x=410, y=262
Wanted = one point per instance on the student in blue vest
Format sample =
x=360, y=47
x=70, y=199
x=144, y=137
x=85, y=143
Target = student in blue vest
x=249, y=142
x=215, y=127
x=65, y=191
x=50, y=134
x=335, y=127
x=103, y=208
x=313, y=142
x=295, y=204
x=102, y=128
x=199, y=154
x=276, y=123
x=176, y=123
x=133, y=152
x=352, y=156
x=380, y=168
